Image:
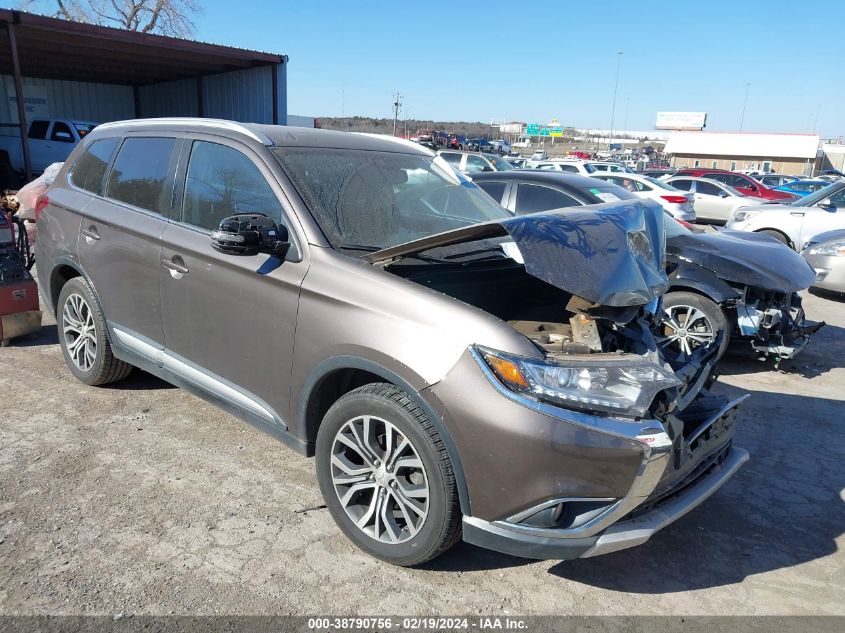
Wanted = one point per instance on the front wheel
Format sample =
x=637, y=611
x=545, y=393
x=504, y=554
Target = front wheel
x=689, y=321
x=386, y=476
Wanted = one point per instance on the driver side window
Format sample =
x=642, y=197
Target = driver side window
x=221, y=182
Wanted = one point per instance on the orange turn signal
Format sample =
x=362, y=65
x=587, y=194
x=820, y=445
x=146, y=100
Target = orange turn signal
x=507, y=371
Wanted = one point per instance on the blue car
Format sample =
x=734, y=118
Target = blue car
x=803, y=187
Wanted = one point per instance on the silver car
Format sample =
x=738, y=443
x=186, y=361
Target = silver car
x=796, y=222
x=826, y=254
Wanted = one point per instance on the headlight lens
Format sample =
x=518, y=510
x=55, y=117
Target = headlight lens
x=831, y=249
x=624, y=384
x=742, y=214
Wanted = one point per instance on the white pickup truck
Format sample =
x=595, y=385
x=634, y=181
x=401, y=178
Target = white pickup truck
x=50, y=141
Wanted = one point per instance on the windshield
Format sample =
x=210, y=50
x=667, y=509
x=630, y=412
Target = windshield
x=821, y=194
x=500, y=163
x=365, y=201
x=660, y=184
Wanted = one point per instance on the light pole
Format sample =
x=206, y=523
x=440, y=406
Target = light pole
x=816, y=120
x=744, y=103
x=615, y=88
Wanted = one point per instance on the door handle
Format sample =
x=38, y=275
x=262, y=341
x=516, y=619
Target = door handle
x=90, y=234
x=175, y=266
x=797, y=213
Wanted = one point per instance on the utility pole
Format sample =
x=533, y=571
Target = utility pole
x=744, y=103
x=615, y=88
x=397, y=104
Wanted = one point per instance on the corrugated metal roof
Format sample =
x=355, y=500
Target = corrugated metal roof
x=743, y=144
x=51, y=48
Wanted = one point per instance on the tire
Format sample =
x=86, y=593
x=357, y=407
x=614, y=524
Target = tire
x=780, y=237
x=677, y=343
x=430, y=523
x=78, y=315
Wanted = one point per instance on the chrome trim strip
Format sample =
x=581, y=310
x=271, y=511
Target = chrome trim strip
x=637, y=531
x=199, y=377
x=712, y=419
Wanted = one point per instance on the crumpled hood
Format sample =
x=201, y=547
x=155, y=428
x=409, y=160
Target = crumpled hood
x=750, y=259
x=610, y=254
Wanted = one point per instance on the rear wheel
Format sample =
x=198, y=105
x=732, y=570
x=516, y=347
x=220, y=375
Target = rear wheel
x=83, y=336
x=386, y=476
x=690, y=321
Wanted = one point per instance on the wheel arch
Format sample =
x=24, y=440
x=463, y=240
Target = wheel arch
x=336, y=376
x=61, y=273
x=703, y=281
x=789, y=241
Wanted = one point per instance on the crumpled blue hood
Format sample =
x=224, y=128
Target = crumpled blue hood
x=609, y=254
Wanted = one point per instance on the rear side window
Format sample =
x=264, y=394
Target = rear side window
x=221, y=182
x=38, y=130
x=89, y=170
x=707, y=188
x=534, y=198
x=684, y=185
x=570, y=168
x=453, y=159
x=493, y=189
x=140, y=173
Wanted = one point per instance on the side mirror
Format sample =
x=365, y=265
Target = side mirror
x=723, y=194
x=826, y=204
x=63, y=136
x=250, y=234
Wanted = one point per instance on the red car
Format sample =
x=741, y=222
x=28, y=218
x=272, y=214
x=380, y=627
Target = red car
x=746, y=185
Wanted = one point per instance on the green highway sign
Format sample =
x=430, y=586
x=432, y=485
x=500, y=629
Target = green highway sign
x=544, y=131
x=532, y=129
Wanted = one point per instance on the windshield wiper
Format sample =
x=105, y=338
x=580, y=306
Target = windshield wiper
x=360, y=247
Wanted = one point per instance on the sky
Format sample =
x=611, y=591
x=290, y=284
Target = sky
x=533, y=61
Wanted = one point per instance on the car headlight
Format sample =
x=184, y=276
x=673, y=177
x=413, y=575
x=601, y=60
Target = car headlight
x=623, y=385
x=742, y=214
x=831, y=249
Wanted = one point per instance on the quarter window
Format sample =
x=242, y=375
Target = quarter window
x=221, y=182
x=534, y=198
x=89, y=170
x=140, y=173
x=707, y=188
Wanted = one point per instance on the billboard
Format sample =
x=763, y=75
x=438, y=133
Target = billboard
x=680, y=120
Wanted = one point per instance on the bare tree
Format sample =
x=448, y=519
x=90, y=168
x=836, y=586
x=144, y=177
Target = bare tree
x=168, y=17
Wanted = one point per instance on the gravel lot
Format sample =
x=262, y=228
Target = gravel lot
x=141, y=499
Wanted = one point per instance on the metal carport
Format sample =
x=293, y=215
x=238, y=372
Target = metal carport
x=83, y=64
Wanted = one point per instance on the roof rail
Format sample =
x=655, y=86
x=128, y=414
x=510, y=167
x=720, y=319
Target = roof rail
x=193, y=122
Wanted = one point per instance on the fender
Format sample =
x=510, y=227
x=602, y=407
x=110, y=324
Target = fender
x=704, y=280
x=329, y=365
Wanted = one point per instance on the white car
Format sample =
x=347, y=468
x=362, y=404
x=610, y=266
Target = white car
x=572, y=166
x=795, y=223
x=605, y=167
x=713, y=201
x=539, y=155
x=678, y=203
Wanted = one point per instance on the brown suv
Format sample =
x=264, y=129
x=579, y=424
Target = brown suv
x=454, y=370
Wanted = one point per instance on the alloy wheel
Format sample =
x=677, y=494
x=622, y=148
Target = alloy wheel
x=380, y=480
x=685, y=328
x=79, y=332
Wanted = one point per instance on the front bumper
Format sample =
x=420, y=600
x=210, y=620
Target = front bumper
x=548, y=482
x=622, y=535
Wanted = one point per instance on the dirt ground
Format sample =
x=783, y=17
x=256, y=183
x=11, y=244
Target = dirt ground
x=141, y=499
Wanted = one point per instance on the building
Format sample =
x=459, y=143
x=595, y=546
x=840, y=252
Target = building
x=94, y=73
x=782, y=153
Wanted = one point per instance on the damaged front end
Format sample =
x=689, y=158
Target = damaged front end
x=774, y=321
x=584, y=287
x=755, y=278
